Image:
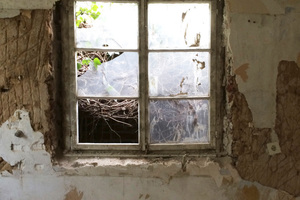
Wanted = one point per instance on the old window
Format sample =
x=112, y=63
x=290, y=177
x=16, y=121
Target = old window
x=141, y=75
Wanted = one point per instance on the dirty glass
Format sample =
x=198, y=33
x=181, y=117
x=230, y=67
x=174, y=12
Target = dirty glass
x=177, y=74
x=179, y=121
x=106, y=25
x=116, y=77
x=184, y=26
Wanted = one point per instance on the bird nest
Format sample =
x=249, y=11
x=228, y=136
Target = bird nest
x=116, y=110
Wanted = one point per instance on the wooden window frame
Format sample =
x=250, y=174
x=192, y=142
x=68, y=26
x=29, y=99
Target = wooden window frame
x=143, y=147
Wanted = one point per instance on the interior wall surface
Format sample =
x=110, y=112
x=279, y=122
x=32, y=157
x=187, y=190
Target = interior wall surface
x=261, y=129
x=263, y=91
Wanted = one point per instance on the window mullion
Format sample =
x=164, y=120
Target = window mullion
x=143, y=75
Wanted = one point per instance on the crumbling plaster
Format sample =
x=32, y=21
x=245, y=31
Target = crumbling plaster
x=260, y=40
x=262, y=106
x=36, y=177
x=26, y=75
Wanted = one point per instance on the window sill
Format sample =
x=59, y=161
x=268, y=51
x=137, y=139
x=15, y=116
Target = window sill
x=163, y=168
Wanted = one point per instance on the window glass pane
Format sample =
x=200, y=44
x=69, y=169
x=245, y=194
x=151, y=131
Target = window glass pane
x=183, y=25
x=108, y=121
x=179, y=74
x=106, y=25
x=179, y=121
x=113, y=74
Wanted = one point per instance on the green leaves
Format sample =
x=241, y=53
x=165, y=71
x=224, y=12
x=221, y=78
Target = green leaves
x=94, y=7
x=95, y=15
x=96, y=62
x=79, y=65
x=84, y=13
x=86, y=62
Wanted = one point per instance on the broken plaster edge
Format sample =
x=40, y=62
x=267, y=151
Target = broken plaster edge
x=25, y=150
x=25, y=4
x=9, y=13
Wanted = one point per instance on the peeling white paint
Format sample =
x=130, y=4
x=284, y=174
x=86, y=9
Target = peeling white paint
x=25, y=150
x=263, y=41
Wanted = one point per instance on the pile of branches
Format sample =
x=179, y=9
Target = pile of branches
x=116, y=110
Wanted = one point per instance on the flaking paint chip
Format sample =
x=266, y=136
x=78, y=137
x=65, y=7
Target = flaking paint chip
x=273, y=148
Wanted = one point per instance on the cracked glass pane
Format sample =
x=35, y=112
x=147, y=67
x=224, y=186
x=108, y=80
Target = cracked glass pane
x=114, y=74
x=179, y=74
x=179, y=121
x=106, y=25
x=182, y=25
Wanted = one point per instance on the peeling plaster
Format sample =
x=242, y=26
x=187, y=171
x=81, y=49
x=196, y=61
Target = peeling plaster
x=25, y=4
x=4, y=166
x=242, y=71
x=11, y=8
x=252, y=106
x=9, y=13
x=27, y=151
x=26, y=73
x=277, y=166
x=263, y=41
x=74, y=195
x=79, y=178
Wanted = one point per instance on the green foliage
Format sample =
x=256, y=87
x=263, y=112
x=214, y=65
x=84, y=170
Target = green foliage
x=79, y=65
x=86, y=13
x=96, y=63
x=87, y=61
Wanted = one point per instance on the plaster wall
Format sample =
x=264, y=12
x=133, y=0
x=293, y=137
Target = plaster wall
x=262, y=108
x=12, y=8
x=260, y=37
x=264, y=47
